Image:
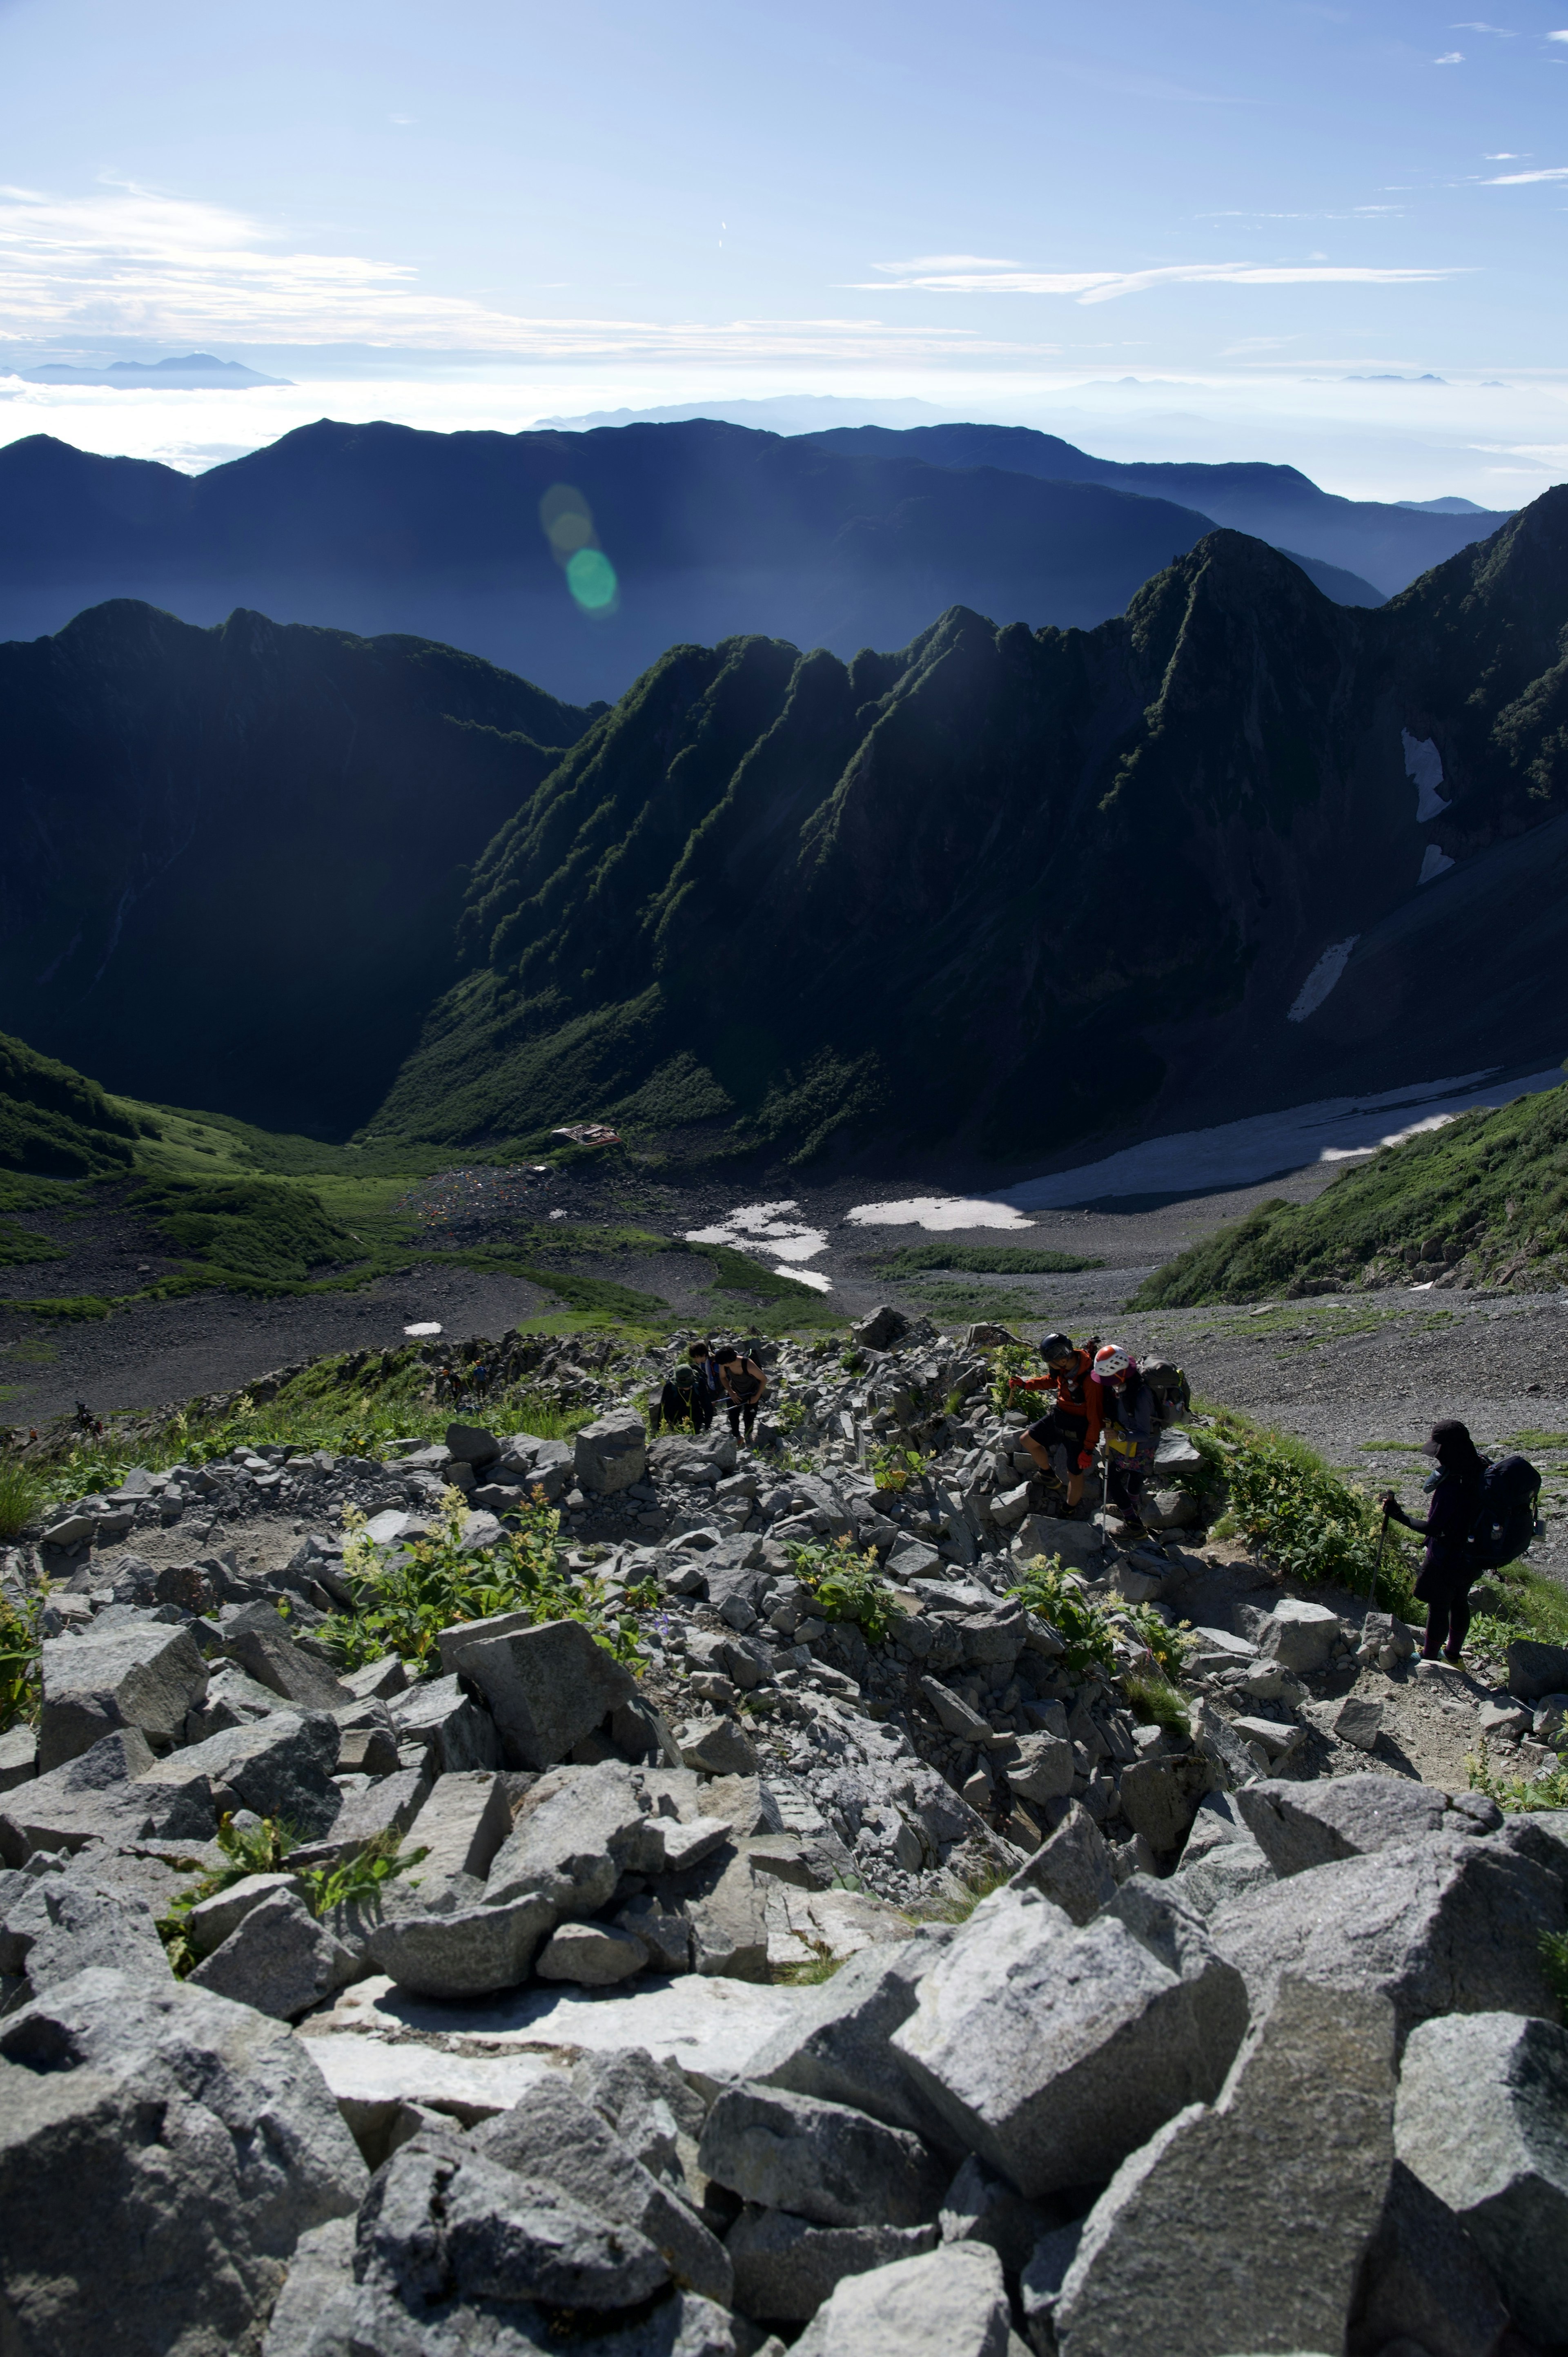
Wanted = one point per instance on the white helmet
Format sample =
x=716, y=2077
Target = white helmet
x=1111, y=1360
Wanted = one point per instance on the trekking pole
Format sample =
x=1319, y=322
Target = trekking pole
x=1378, y=1565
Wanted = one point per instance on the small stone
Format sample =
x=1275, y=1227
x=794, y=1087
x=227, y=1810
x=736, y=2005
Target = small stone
x=718, y=1746
x=950, y=2303
x=591, y=1953
x=787, y=2267
x=820, y=2161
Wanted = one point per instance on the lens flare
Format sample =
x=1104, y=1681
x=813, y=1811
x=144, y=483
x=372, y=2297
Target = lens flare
x=591, y=577
x=567, y=521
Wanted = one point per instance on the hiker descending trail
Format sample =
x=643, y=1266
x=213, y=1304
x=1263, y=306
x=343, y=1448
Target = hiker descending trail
x=743, y=1384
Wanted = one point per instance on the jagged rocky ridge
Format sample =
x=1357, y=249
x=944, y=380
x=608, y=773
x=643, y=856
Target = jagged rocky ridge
x=1009, y=888
x=1209, y=2007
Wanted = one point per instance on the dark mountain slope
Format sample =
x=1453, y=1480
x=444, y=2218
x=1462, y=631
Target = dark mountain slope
x=234, y=856
x=1007, y=889
x=710, y=528
x=1389, y=544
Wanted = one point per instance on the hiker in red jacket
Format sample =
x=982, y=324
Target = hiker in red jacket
x=1063, y=1442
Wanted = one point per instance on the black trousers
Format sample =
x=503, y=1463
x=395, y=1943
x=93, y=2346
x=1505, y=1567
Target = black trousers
x=1447, y=1623
x=738, y=1411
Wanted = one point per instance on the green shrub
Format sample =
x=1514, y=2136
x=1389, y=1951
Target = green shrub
x=21, y=1496
x=982, y=1260
x=1087, y=1630
x=264, y=1849
x=1304, y=1521
x=1554, y=1956
x=1154, y=1702
x=894, y=1468
x=405, y=1596
x=1169, y=1647
x=21, y=1640
x=848, y=1587
x=1517, y=1795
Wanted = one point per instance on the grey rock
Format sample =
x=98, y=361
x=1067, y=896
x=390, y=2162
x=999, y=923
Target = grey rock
x=1535, y=1669
x=129, y=2119
x=950, y=2303
x=1303, y=1826
x=718, y=1746
x=471, y=1444
x=820, y=2161
x=956, y=1715
x=726, y=1906
x=547, y=1688
x=277, y=1958
x=611, y=1453
x=1300, y=1636
x=650, y=2105
x=664, y=1933
x=233, y=1699
x=378, y=1680
x=591, y=1953
x=553, y=2135
x=299, y=1676
x=785, y=2266
x=434, y=2226
x=101, y=1796
x=53, y=1926
x=388, y=1806
x=1160, y=1797
x=880, y=1329
x=211, y=1921
x=147, y=1677
x=1072, y=1869
x=465, y=1952
x=981, y=2207
x=463, y=1824
x=1038, y=1768
x=1197, y=2244
x=1443, y=1925
x=458, y=1732
x=1228, y=1871
x=1482, y=2121
x=1040, y=2284
x=280, y=1767
x=1054, y=2053
x=1422, y=2279
x=19, y=1757
x=455, y=1642
x=578, y=1830
x=1358, y=1720
x=314, y=2309
x=835, y=2047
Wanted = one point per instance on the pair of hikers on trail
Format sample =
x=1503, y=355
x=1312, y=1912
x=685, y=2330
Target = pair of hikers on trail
x=1481, y=1517
x=1098, y=1391
x=691, y=1393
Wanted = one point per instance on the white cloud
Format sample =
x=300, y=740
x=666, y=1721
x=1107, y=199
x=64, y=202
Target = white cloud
x=1519, y=179
x=1506, y=156
x=1104, y=285
x=1501, y=31
x=1454, y=57
x=1559, y=37
x=129, y=260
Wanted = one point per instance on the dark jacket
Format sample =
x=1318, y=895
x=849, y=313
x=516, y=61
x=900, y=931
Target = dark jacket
x=1447, y=1567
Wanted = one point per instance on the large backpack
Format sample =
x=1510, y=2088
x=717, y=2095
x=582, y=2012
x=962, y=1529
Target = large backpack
x=1173, y=1393
x=1505, y=1517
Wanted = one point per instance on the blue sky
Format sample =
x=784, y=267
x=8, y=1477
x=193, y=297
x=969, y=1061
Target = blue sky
x=486, y=213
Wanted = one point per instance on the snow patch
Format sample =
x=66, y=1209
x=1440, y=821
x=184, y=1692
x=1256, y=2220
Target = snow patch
x=1423, y=768
x=1435, y=863
x=1321, y=979
x=765, y=1226
x=815, y=1277
x=425, y=1326
x=939, y=1212
x=1240, y=1152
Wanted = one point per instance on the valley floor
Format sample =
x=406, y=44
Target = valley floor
x=1362, y=1379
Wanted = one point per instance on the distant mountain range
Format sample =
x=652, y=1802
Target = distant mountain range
x=985, y=899
x=197, y=372
x=844, y=539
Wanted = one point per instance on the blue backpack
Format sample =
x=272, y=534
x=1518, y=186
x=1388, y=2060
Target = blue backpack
x=1505, y=1517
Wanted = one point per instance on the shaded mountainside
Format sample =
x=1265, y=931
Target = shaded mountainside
x=1483, y=1202
x=1388, y=543
x=1007, y=890
x=234, y=856
x=56, y=1124
x=711, y=529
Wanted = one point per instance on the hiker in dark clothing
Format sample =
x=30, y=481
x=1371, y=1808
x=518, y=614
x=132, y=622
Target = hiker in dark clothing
x=1132, y=1429
x=743, y=1384
x=680, y=1402
x=705, y=1368
x=1449, y=1567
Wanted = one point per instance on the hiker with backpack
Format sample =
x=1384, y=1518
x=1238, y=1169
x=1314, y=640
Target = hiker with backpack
x=1132, y=1423
x=743, y=1384
x=679, y=1402
x=704, y=1369
x=1063, y=1441
x=1481, y=1516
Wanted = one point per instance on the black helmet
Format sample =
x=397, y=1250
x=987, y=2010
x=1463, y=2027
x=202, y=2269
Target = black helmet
x=1056, y=1346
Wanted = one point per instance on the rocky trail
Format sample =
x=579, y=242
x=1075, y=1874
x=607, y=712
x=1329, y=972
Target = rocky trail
x=829, y=1929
